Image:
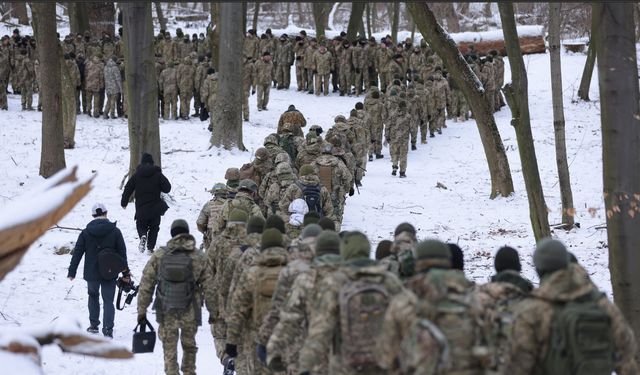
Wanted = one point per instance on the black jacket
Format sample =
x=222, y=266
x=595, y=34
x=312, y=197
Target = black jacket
x=98, y=232
x=147, y=182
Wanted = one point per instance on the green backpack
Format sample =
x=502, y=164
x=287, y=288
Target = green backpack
x=287, y=144
x=581, y=340
x=176, y=284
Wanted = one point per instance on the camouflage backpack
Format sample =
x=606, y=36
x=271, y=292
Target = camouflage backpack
x=363, y=302
x=176, y=284
x=325, y=173
x=266, y=282
x=288, y=145
x=417, y=350
x=581, y=340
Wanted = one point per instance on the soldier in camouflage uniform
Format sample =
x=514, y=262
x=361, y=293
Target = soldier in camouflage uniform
x=113, y=87
x=438, y=102
x=284, y=58
x=5, y=70
x=251, y=299
x=186, y=76
x=308, y=179
x=353, y=344
x=262, y=79
x=498, y=64
x=70, y=82
x=401, y=261
x=248, y=86
x=27, y=78
x=208, y=94
x=94, y=84
x=251, y=45
x=294, y=117
x=309, y=151
x=345, y=68
x=309, y=63
x=488, y=79
x=562, y=283
x=289, y=334
x=374, y=111
x=322, y=69
x=397, y=136
x=169, y=89
x=299, y=49
x=198, y=80
x=359, y=65
x=243, y=200
x=218, y=253
x=335, y=176
x=284, y=178
x=210, y=211
x=359, y=148
x=174, y=323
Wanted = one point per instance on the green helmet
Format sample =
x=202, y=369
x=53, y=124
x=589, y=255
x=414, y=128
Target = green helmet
x=220, y=189
x=249, y=185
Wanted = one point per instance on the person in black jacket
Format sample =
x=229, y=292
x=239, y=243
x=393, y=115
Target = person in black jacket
x=147, y=182
x=99, y=235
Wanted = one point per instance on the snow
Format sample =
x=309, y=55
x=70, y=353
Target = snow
x=38, y=291
x=470, y=36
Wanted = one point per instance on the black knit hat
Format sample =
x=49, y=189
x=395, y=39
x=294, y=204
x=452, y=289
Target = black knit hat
x=457, y=257
x=507, y=259
x=146, y=158
x=327, y=224
x=179, y=227
x=384, y=249
x=405, y=227
x=275, y=221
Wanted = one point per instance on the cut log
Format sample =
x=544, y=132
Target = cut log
x=530, y=37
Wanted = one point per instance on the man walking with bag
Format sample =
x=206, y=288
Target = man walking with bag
x=180, y=272
x=106, y=257
x=148, y=182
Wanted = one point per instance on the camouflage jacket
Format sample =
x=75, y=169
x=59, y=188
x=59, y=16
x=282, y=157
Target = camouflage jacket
x=186, y=76
x=169, y=80
x=374, y=109
x=242, y=201
x=263, y=72
x=322, y=62
x=74, y=73
x=345, y=62
x=290, y=332
x=284, y=53
x=341, y=178
x=250, y=47
x=294, y=192
x=295, y=118
x=249, y=251
x=308, y=153
x=201, y=275
x=275, y=192
x=208, y=91
x=399, y=128
x=208, y=215
x=248, y=305
x=533, y=318
x=94, y=72
x=112, y=78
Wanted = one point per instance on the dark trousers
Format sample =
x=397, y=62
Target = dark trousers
x=149, y=227
x=108, y=293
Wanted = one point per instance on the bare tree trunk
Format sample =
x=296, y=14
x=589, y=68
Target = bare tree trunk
x=141, y=81
x=450, y=15
x=102, y=18
x=432, y=32
x=78, y=17
x=256, y=13
x=566, y=195
x=160, y=15
x=300, y=14
x=395, y=22
x=355, y=20
x=585, y=82
x=517, y=97
x=486, y=10
x=244, y=16
x=48, y=47
x=214, y=39
x=618, y=81
x=227, y=131
x=19, y=10
x=374, y=16
x=320, y=13
x=368, y=13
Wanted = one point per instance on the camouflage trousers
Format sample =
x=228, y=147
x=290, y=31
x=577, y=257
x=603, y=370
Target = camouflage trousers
x=245, y=101
x=322, y=84
x=459, y=106
x=345, y=81
x=283, y=75
x=181, y=327
x=436, y=123
x=491, y=98
x=300, y=76
x=383, y=81
x=413, y=130
x=26, y=92
x=3, y=93
x=399, y=152
x=185, y=103
x=309, y=80
x=93, y=103
x=358, y=81
x=263, y=95
x=196, y=101
x=424, y=129
x=219, y=333
x=170, y=105
x=111, y=106
x=69, y=120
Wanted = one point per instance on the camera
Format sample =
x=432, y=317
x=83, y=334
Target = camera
x=126, y=285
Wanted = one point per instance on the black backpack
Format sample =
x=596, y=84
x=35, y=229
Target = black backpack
x=110, y=263
x=311, y=195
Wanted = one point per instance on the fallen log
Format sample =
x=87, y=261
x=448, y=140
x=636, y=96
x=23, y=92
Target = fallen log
x=530, y=37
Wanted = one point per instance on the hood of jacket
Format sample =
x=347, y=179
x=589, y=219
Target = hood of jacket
x=147, y=170
x=100, y=227
x=272, y=256
x=513, y=278
x=185, y=242
x=310, y=180
x=326, y=260
x=565, y=285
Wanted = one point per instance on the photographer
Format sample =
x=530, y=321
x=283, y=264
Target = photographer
x=106, y=253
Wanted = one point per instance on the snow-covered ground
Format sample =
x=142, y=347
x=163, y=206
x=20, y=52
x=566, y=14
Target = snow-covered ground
x=38, y=292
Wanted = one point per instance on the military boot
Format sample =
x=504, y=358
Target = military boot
x=413, y=147
x=370, y=157
x=395, y=170
x=439, y=131
x=403, y=175
x=379, y=156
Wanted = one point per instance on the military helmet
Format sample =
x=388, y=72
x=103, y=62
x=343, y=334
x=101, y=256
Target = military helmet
x=283, y=157
x=248, y=184
x=271, y=139
x=284, y=168
x=306, y=170
x=339, y=118
x=262, y=154
x=232, y=174
x=311, y=138
x=220, y=188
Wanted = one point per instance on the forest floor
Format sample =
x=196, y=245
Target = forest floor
x=38, y=292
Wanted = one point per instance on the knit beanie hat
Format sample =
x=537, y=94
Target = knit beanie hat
x=507, y=259
x=328, y=242
x=146, y=159
x=179, y=227
x=275, y=221
x=310, y=218
x=457, y=257
x=550, y=255
x=405, y=227
x=384, y=249
x=327, y=224
x=311, y=230
x=271, y=238
x=306, y=170
x=432, y=253
x=355, y=245
x=255, y=225
x=238, y=216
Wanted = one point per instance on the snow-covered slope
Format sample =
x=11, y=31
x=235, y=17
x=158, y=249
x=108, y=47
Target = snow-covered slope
x=38, y=291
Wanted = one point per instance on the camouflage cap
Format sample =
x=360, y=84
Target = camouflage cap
x=255, y=225
x=306, y=170
x=550, y=256
x=311, y=230
x=271, y=139
x=355, y=245
x=432, y=253
x=262, y=154
x=284, y=168
x=232, y=174
x=220, y=188
x=271, y=238
x=238, y=216
x=328, y=242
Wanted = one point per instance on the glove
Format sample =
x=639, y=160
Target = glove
x=142, y=318
x=231, y=350
x=261, y=353
x=277, y=365
x=351, y=192
x=253, y=91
